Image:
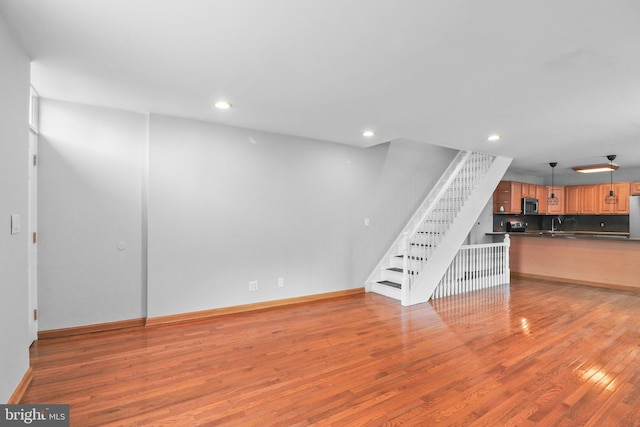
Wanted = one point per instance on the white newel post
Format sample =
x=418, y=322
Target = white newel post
x=405, y=285
x=507, y=270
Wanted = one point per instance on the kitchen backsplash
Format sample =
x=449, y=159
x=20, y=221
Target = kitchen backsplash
x=617, y=223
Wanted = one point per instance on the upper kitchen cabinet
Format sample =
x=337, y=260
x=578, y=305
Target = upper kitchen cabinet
x=528, y=190
x=589, y=201
x=622, y=190
x=541, y=195
x=572, y=199
x=581, y=199
x=556, y=209
x=507, y=197
x=635, y=188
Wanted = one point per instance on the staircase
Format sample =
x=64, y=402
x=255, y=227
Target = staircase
x=418, y=259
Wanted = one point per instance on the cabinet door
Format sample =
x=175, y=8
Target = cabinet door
x=541, y=195
x=559, y=194
x=622, y=191
x=635, y=188
x=516, y=197
x=603, y=192
x=502, y=197
x=572, y=199
x=589, y=202
x=528, y=190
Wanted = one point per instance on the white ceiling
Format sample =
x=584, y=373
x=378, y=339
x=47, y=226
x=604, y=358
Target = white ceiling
x=560, y=80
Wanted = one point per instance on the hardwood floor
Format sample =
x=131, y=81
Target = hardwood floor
x=533, y=354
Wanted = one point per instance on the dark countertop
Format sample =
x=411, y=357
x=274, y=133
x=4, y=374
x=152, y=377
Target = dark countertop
x=593, y=235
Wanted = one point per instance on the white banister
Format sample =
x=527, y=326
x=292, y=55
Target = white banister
x=420, y=255
x=433, y=225
x=476, y=267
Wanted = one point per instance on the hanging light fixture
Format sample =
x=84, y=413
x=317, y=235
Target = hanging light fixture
x=611, y=199
x=553, y=200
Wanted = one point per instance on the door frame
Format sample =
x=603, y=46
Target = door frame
x=32, y=213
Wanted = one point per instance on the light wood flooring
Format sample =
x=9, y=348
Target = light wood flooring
x=533, y=354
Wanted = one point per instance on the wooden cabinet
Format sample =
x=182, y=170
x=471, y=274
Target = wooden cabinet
x=572, y=199
x=622, y=191
x=581, y=199
x=508, y=196
x=528, y=190
x=556, y=209
x=589, y=202
x=541, y=195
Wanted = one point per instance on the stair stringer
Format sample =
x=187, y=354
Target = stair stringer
x=435, y=268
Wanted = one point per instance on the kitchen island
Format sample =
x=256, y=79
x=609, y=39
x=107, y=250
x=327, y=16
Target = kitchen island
x=594, y=259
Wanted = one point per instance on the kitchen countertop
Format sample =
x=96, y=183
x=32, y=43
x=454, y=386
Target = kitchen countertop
x=593, y=235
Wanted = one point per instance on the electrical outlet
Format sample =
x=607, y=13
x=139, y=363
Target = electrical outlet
x=253, y=285
x=602, y=224
x=367, y=222
x=281, y=282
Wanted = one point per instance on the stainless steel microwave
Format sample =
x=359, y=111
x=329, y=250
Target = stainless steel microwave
x=529, y=206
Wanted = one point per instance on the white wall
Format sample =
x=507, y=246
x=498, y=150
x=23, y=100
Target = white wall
x=225, y=206
x=228, y=206
x=14, y=145
x=483, y=225
x=530, y=179
x=90, y=215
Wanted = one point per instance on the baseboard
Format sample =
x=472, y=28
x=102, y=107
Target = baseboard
x=88, y=329
x=184, y=317
x=575, y=282
x=17, y=395
x=199, y=315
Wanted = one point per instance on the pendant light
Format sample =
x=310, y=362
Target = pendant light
x=553, y=200
x=611, y=199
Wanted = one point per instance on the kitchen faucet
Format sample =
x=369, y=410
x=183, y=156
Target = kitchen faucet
x=553, y=219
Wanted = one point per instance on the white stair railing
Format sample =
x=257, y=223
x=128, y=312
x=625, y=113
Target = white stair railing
x=476, y=267
x=422, y=241
x=414, y=265
x=421, y=213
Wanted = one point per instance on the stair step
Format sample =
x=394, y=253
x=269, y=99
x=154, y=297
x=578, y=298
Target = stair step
x=389, y=283
x=400, y=270
x=411, y=257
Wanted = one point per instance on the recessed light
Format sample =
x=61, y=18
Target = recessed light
x=368, y=133
x=494, y=137
x=222, y=105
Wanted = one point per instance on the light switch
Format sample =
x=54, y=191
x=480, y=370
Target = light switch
x=15, y=224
